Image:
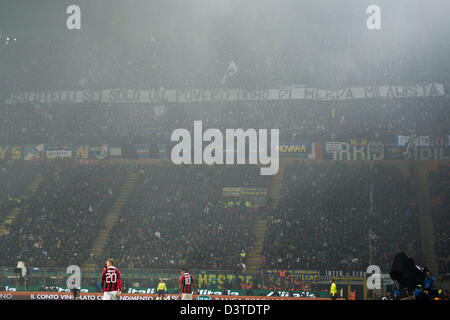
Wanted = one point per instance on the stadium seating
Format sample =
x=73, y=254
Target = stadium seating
x=177, y=216
x=440, y=188
x=325, y=218
x=58, y=226
x=305, y=120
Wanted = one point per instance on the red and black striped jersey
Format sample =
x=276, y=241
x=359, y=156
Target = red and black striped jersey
x=111, y=280
x=187, y=283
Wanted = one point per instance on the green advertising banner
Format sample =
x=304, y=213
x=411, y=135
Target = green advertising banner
x=201, y=292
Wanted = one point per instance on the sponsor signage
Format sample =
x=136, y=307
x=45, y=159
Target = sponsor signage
x=127, y=296
x=299, y=274
x=303, y=150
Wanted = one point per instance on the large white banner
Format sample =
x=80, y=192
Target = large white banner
x=216, y=95
x=424, y=141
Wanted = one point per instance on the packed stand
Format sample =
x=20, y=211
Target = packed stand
x=182, y=56
x=15, y=179
x=439, y=178
x=325, y=217
x=395, y=218
x=57, y=226
x=176, y=215
x=372, y=119
x=319, y=223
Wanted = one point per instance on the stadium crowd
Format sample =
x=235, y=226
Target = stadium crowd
x=57, y=225
x=395, y=218
x=174, y=215
x=440, y=190
x=372, y=119
x=333, y=216
x=326, y=220
x=14, y=178
x=177, y=216
x=178, y=59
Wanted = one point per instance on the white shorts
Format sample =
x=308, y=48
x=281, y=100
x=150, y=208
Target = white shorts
x=186, y=296
x=110, y=295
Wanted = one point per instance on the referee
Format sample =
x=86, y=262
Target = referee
x=333, y=290
x=161, y=289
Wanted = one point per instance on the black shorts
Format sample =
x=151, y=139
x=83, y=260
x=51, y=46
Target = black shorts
x=161, y=292
x=75, y=292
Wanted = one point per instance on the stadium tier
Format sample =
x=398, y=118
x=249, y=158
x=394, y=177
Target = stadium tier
x=264, y=145
x=440, y=189
x=297, y=120
x=178, y=215
x=338, y=216
x=55, y=225
x=330, y=216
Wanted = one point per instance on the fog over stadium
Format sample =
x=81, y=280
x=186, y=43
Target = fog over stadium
x=287, y=149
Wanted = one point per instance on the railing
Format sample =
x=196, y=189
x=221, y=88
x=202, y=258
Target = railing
x=51, y=278
x=146, y=280
x=47, y=278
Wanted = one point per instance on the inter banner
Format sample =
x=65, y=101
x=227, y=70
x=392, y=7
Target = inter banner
x=224, y=95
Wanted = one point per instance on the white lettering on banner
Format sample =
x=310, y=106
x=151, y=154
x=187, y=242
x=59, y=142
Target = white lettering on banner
x=426, y=154
x=295, y=294
x=143, y=298
x=225, y=95
x=333, y=146
x=340, y=273
x=7, y=288
x=346, y=151
x=422, y=141
x=59, y=154
x=378, y=151
x=402, y=140
x=148, y=290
